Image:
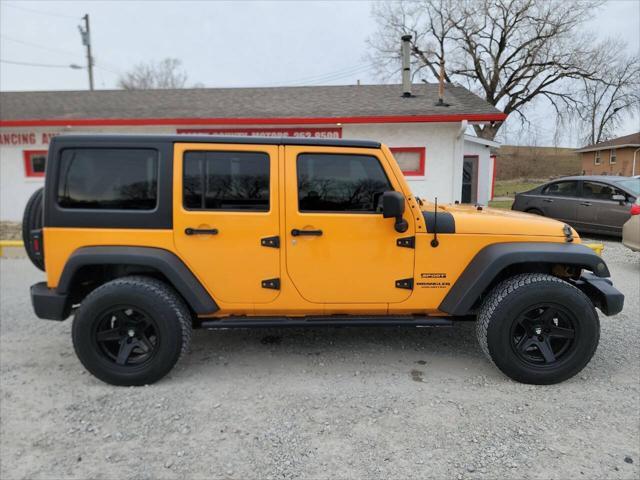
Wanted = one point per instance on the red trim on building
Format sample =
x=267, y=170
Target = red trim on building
x=419, y=150
x=28, y=162
x=90, y=122
x=299, y=132
x=493, y=175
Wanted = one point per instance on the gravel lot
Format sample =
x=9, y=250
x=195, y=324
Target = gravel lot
x=317, y=403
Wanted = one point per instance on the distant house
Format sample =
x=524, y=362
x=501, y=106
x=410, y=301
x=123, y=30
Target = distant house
x=620, y=156
x=427, y=139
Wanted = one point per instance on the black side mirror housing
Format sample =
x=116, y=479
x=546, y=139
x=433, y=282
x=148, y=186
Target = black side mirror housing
x=393, y=207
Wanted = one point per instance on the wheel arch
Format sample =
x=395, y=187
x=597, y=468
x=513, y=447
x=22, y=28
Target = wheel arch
x=498, y=261
x=89, y=267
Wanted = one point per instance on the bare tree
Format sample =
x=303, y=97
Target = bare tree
x=164, y=74
x=606, y=101
x=509, y=52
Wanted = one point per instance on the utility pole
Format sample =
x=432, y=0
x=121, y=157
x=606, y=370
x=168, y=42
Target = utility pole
x=86, y=41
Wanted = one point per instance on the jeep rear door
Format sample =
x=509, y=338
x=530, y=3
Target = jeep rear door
x=339, y=248
x=225, y=218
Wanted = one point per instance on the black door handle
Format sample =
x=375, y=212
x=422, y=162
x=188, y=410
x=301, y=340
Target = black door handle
x=312, y=233
x=548, y=200
x=585, y=204
x=201, y=231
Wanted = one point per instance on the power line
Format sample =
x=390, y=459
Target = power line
x=329, y=76
x=109, y=68
x=312, y=78
x=334, y=77
x=35, y=45
x=40, y=12
x=45, y=65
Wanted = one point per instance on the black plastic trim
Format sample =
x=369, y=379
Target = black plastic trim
x=158, y=259
x=49, y=304
x=601, y=292
x=406, y=283
x=406, y=242
x=135, y=139
x=327, y=321
x=272, y=242
x=271, y=283
x=491, y=260
x=446, y=222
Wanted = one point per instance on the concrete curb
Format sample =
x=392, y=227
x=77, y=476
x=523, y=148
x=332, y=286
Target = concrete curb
x=12, y=249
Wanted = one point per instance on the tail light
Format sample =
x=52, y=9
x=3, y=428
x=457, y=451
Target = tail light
x=635, y=209
x=36, y=243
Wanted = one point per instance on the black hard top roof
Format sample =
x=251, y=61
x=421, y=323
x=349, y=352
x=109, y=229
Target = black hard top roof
x=150, y=138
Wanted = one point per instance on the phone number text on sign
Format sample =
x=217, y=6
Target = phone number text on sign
x=265, y=132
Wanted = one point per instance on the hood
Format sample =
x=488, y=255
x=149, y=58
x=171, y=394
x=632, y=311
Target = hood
x=496, y=221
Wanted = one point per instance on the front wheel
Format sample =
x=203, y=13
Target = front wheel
x=538, y=329
x=131, y=331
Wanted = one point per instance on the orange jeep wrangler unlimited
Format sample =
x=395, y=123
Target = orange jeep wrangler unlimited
x=144, y=238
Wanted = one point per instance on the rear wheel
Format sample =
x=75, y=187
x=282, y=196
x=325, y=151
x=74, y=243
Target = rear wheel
x=538, y=328
x=131, y=331
x=32, y=220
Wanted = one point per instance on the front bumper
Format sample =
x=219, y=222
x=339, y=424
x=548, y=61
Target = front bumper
x=601, y=292
x=49, y=304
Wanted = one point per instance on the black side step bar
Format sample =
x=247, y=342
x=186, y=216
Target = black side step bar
x=329, y=321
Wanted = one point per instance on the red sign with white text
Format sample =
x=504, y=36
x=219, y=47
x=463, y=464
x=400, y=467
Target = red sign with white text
x=267, y=132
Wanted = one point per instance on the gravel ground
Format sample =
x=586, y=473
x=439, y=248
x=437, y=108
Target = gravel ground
x=317, y=403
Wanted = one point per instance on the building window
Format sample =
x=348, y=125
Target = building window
x=613, y=157
x=410, y=159
x=596, y=158
x=34, y=162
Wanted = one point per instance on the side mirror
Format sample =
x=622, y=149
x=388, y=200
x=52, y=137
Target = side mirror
x=393, y=207
x=621, y=199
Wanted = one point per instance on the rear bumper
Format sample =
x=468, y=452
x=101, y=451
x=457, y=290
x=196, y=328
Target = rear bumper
x=48, y=304
x=601, y=292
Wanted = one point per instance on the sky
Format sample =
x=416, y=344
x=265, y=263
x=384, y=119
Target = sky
x=221, y=44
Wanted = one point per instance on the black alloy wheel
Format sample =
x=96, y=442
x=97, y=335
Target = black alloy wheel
x=544, y=335
x=127, y=336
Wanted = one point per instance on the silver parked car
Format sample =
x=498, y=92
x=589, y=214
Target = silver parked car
x=593, y=204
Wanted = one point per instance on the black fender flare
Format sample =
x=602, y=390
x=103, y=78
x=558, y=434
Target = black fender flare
x=493, y=259
x=165, y=262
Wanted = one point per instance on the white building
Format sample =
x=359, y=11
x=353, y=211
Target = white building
x=429, y=141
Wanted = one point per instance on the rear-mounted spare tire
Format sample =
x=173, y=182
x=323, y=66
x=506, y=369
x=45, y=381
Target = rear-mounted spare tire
x=32, y=229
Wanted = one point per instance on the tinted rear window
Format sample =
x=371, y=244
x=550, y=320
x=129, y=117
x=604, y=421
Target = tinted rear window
x=108, y=178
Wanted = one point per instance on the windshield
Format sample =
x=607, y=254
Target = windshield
x=631, y=184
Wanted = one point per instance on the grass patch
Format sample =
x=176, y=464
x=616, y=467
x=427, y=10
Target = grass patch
x=506, y=204
x=509, y=188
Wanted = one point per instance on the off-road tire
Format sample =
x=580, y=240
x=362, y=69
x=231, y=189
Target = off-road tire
x=32, y=220
x=160, y=302
x=505, y=303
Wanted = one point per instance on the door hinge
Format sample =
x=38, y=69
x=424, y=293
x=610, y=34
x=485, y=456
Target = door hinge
x=273, y=242
x=272, y=283
x=407, y=242
x=406, y=283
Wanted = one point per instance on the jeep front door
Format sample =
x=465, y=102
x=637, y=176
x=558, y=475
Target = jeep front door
x=225, y=205
x=339, y=247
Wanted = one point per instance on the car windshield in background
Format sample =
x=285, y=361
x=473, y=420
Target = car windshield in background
x=631, y=184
